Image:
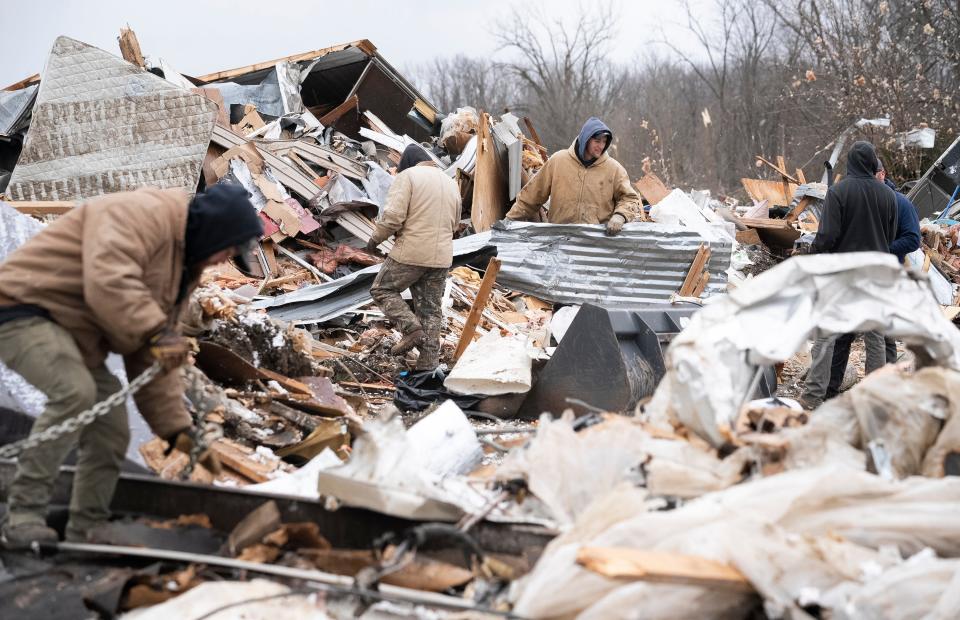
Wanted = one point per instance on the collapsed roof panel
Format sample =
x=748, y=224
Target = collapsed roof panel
x=102, y=125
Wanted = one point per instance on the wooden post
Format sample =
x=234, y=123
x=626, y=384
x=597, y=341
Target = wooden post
x=476, y=310
x=130, y=47
x=695, y=273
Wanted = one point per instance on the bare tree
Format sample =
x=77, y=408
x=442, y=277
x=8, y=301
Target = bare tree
x=563, y=66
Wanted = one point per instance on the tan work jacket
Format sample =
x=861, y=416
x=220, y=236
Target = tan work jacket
x=109, y=272
x=578, y=194
x=422, y=212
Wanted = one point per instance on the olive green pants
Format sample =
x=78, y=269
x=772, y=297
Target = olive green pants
x=46, y=355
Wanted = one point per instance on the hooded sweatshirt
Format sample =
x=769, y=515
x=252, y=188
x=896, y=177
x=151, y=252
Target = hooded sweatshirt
x=412, y=155
x=579, y=192
x=908, y=226
x=591, y=128
x=860, y=212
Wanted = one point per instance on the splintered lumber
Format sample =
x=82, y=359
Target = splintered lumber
x=696, y=271
x=702, y=284
x=334, y=115
x=652, y=188
x=476, y=310
x=779, y=167
x=130, y=47
x=661, y=567
x=240, y=459
x=489, y=184
x=797, y=210
x=41, y=208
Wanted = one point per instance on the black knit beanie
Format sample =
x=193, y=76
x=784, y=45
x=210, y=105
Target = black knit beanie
x=217, y=219
x=412, y=155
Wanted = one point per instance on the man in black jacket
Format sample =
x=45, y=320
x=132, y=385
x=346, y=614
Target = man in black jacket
x=859, y=215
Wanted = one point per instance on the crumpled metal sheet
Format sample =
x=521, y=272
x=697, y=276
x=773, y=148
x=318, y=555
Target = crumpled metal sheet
x=15, y=392
x=578, y=263
x=322, y=302
x=766, y=320
x=14, y=108
x=101, y=125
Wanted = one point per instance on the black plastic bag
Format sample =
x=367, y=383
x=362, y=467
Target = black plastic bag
x=419, y=389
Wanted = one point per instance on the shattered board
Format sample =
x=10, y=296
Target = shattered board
x=102, y=125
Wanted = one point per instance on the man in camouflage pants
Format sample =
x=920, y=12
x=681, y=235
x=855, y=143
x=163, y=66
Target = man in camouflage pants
x=422, y=212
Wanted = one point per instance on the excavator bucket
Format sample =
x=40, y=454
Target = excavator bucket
x=608, y=359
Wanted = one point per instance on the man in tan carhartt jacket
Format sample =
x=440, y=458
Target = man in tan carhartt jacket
x=422, y=212
x=583, y=183
x=112, y=275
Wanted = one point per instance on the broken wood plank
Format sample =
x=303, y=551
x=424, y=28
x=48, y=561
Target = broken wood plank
x=291, y=385
x=748, y=237
x=800, y=176
x=41, y=208
x=661, y=567
x=363, y=45
x=368, y=386
x=489, y=184
x=780, y=169
x=476, y=310
x=239, y=459
x=33, y=79
x=695, y=272
x=774, y=192
x=797, y=210
x=253, y=527
x=130, y=47
x=652, y=188
x=331, y=117
x=702, y=284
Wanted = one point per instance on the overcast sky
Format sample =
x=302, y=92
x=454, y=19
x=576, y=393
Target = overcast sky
x=201, y=36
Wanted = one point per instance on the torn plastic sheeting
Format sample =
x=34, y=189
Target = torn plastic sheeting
x=578, y=263
x=711, y=363
x=942, y=288
x=207, y=598
x=466, y=161
x=568, y=470
x=789, y=533
x=265, y=96
x=401, y=472
x=377, y=185
x=492, y=366
x=893, y=415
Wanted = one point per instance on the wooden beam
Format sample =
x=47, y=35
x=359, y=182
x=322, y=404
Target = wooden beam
x=41, y=208
x=426, y=110
x=363, y=45
x=702, y=284
x=130, y=47
x=777, y=168
x=476, y=310
x=33, y=79
x=331, y=117
x=695, y=272
x=800, y=176
x=661, y=567
x=797, y=210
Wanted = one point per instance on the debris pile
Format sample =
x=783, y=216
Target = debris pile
x=604, y=431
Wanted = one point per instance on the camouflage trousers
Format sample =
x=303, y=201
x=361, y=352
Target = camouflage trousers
x=426, y=286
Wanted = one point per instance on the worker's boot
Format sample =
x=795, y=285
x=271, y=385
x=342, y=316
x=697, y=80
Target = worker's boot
x=409, y=341
x=21, y=536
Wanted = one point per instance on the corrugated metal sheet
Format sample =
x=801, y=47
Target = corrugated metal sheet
x=575, y=263
x=101, y=125
x=322, y=302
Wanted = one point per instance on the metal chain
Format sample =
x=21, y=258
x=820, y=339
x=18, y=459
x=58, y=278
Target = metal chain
x=77, y=422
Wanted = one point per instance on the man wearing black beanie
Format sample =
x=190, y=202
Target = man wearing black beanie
x=112, y=275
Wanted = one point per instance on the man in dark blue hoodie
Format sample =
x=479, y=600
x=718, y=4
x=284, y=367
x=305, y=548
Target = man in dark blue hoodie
x=880, y=349
x=583, y=184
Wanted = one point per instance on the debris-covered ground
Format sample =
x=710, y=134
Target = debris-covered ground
x=611, y=426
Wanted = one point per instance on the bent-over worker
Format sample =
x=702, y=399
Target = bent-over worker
x=583, y=183
x=112, y=275
x=422, y=212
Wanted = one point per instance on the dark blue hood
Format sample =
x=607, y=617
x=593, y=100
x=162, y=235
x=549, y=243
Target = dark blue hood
x=592, y=127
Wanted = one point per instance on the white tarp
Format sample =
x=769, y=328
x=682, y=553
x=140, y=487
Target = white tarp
x=102, y=125
x=766, y=320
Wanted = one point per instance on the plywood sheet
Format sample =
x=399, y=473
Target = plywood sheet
x=775, y=192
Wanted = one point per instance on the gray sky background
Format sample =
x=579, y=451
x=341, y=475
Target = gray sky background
x=202, y=36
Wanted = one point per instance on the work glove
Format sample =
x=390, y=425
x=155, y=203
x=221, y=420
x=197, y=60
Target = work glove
x=371, y=246
x=170, y=349
x=615, y=225
x=190, y=441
